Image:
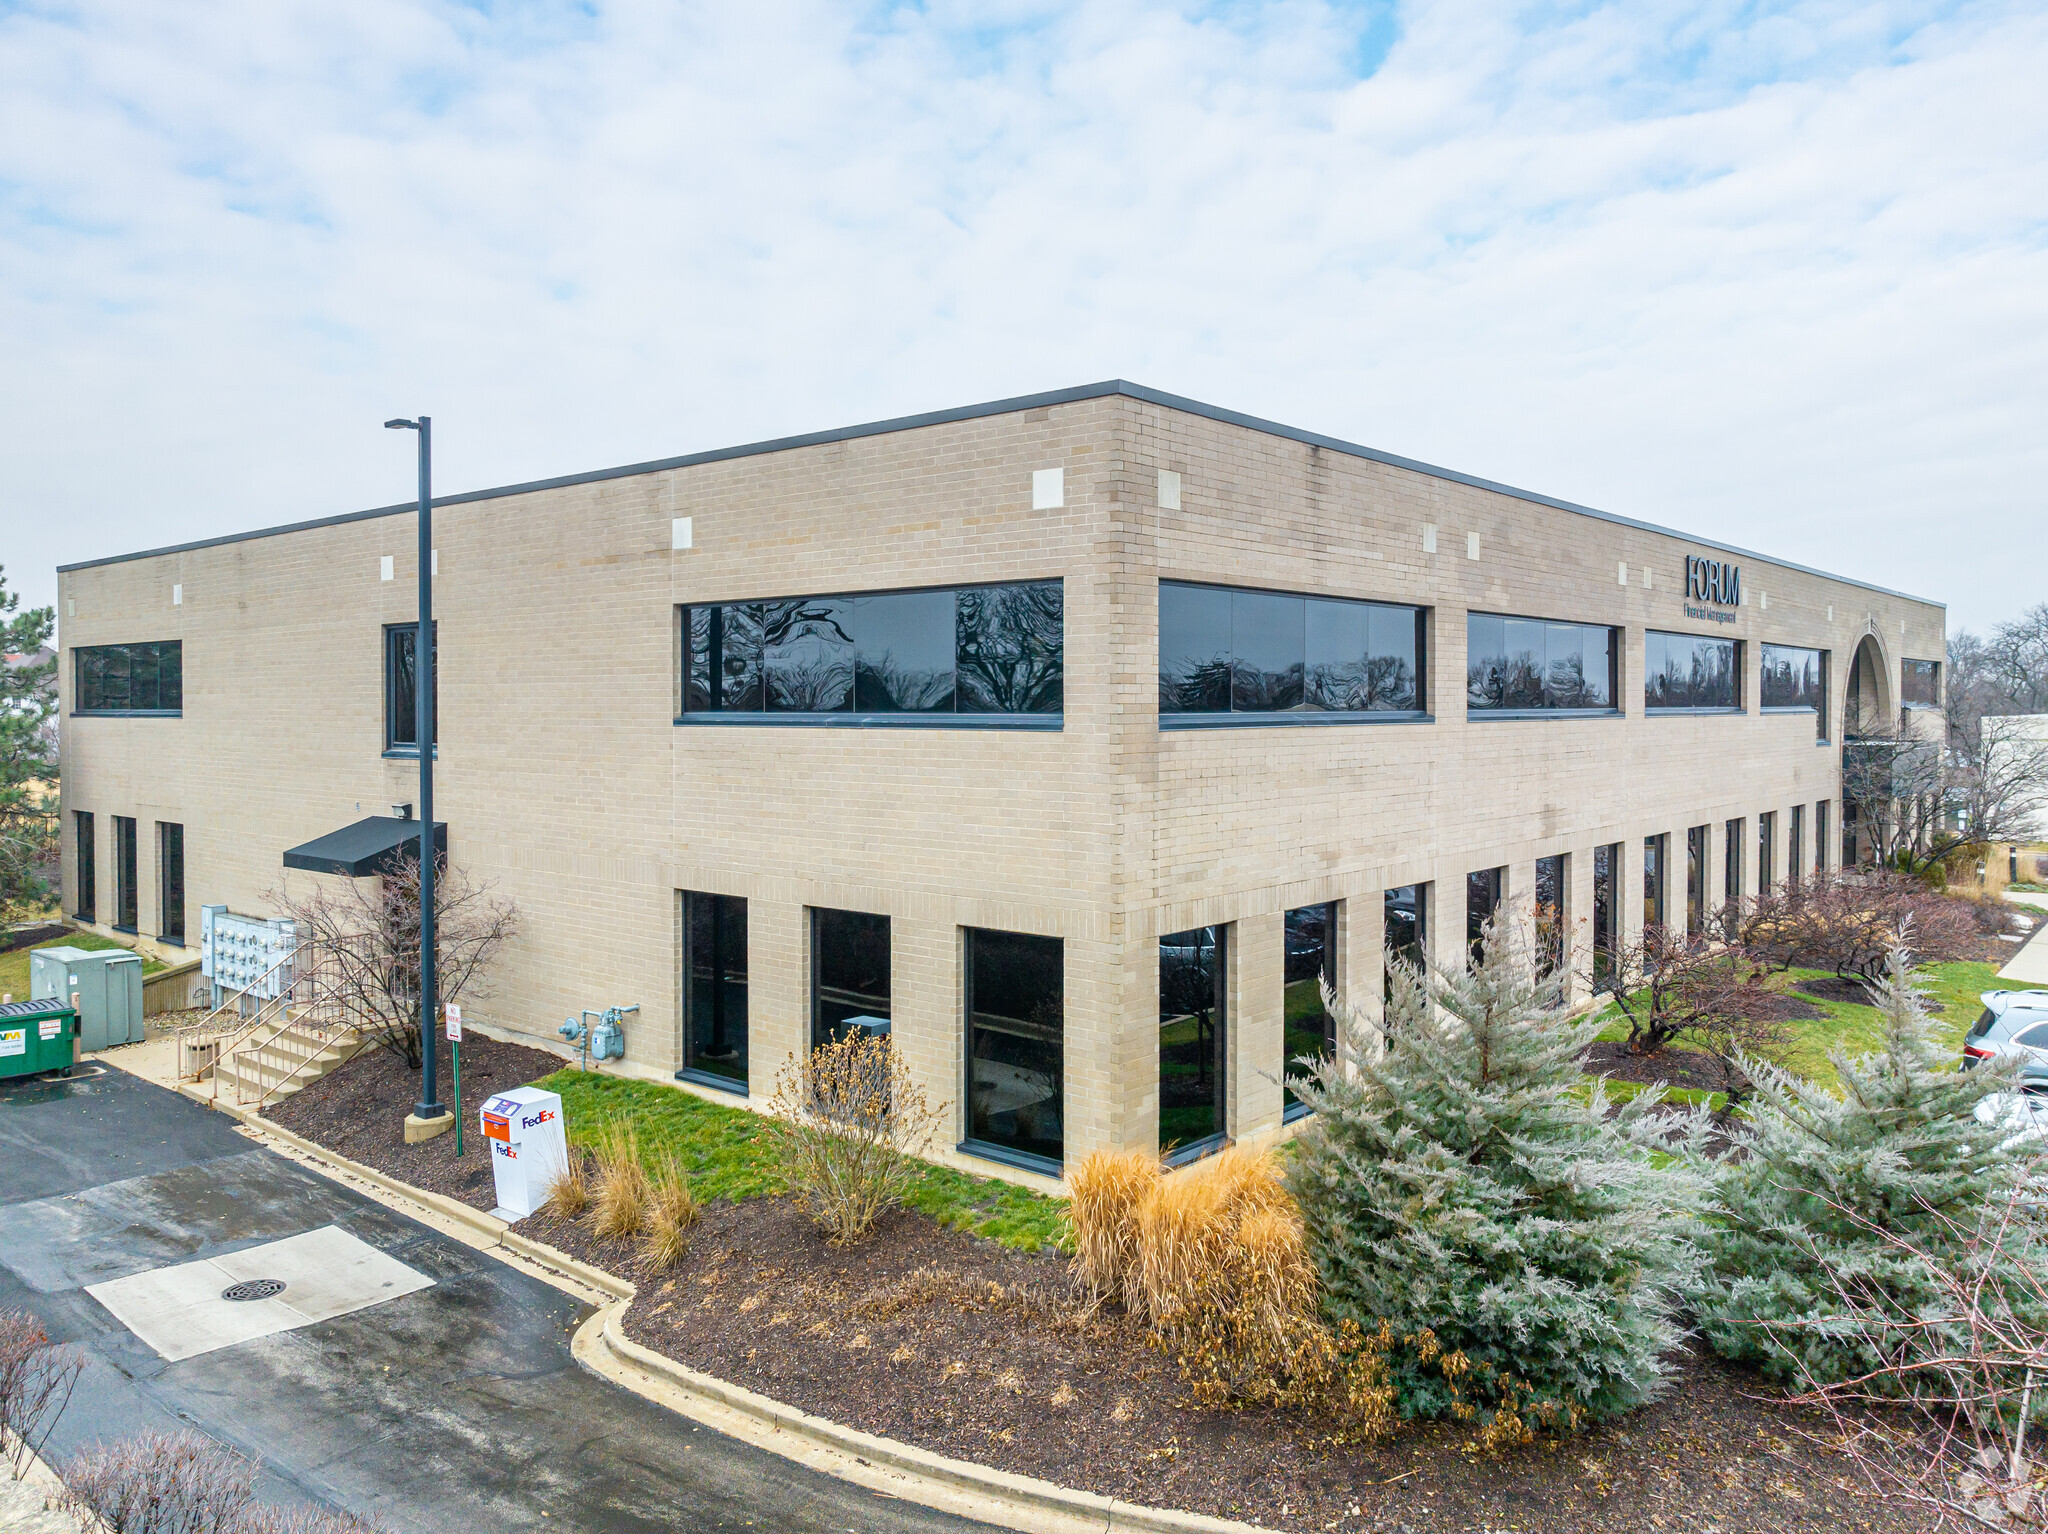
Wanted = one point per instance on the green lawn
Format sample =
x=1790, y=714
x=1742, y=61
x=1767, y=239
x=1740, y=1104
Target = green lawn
x=14, y=966
x=1855, y=1029
x=728, y=1156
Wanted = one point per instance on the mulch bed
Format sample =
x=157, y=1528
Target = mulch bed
x=359, y=1108
x=1672, y=1065
x=951, y=1342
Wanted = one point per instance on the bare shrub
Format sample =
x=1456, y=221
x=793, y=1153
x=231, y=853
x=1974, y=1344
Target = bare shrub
x=1958, y=1382
x=1107, y=1187
x=368, y=932
x=569, y=1187
x=622, y=1187
x=160, y=1483
x=303, y=1520
x=848, y=1121
x=671, y=1211
x=1846, y=920
x=36, y=1379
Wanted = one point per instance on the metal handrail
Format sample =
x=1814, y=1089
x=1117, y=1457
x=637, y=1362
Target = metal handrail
x=283, y=1019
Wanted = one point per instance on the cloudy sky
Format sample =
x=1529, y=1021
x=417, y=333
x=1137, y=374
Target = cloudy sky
x=1773, y=273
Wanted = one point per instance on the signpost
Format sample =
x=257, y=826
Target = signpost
x=454, y=1015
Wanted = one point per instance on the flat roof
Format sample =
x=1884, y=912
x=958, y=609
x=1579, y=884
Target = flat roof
x=1106, y=389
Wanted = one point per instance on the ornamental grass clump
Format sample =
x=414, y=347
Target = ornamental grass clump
x=671, y=1210
x=1843, y=1220
x=621, y=1201
x=1467, y=1201
x=848, y=1122
x=569, y=1187
x=1212, y=1260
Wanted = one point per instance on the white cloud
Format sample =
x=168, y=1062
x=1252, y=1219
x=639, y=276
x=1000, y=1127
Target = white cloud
x=1778, y=277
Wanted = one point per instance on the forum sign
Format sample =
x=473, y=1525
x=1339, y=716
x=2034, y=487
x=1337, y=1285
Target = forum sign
x=1712, y=581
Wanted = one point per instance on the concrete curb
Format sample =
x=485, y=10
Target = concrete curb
x=496, y=1230
x=897, y=1469
x=882, y=1464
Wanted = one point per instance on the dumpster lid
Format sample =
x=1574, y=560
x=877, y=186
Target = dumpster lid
x=29, y=1011
x=373, y=845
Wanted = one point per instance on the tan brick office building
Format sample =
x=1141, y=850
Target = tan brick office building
x=944, y=724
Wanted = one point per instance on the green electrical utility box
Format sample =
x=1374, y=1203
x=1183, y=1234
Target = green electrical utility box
x=37, y=1036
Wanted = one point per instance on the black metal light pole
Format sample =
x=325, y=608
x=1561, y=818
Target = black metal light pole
x=429, y=1106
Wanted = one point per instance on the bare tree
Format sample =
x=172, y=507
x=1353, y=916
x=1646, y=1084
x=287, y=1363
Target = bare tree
x=1922, y=802
x=367, y=937
x=1666, y=982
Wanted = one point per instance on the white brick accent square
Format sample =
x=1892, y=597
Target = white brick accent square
x=1048, y=489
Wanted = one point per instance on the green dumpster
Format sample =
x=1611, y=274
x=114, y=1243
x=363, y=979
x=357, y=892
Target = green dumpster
x=37, y=1036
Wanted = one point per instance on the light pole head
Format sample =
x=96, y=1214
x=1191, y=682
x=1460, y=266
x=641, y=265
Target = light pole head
x=401, y=425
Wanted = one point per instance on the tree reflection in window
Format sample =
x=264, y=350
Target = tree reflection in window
x=1533, y=664
x=977, y=650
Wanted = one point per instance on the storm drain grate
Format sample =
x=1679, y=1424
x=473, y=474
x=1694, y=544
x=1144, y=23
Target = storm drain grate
x=253, y=1289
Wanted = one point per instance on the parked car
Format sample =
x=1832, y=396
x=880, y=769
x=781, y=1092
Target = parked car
x=2013, y=1025
x=2025, y=1112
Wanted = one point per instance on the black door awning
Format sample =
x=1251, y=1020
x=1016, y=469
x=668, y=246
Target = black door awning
x=373, y=845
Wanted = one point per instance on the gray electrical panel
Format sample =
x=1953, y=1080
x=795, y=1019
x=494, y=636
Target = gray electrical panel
x=108, y=983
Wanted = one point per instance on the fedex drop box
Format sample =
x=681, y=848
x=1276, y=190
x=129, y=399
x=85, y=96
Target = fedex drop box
x=523, y=1128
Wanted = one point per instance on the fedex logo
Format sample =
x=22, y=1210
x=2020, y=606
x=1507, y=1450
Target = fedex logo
x=542, y=1117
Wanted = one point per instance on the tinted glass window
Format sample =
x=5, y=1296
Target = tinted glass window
x=903, y=652
x=1194, y=649
x=1551, y=915
x=1310, y=964
x=401, y=686
x=1922, y=679
x=807, y=654
x=126, y=914
x=1690, y=671
x=145, y=677
x=1191, y=1039
x=1012, y=648
x=849, y=974
x=1606, y=908
x=170, y=881
x=1016, y=1043
x=1482, y=899
x=1654, y=861
x=1264, y=652
x=1532, y=663
x=1793, y=678
x=715, y=989
x=978, y=650
x=86, y=867
x=1406, y=913
x=2035, y=1037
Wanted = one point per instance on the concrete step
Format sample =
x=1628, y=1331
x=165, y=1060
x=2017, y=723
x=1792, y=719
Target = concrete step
x=286, y=1063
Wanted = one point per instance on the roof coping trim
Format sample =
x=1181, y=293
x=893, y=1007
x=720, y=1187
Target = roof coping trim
x=1108, y=388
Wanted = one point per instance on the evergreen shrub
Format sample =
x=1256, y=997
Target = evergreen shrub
x=1464, y=1194
x=1840, y=1218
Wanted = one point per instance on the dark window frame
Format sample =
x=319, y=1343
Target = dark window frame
x=1698, y=849
x=1299, y=714
x=1607, y=887
x=1766, y=850
x=170, y=902
x=852, y=716
x=88, y=694
x=1823, y=669
x=972, y=1144
x=1182, y=1153
x=1737, y=662
x=396, y=635
x=1657, y=880
x=85, y=866
x=1291, y=1107
x=1485, y=887
x=1820, y=834
x=818, y=1031
x=718, y=914
x=1928, y=671
x=127, y=856
x=1613, y=709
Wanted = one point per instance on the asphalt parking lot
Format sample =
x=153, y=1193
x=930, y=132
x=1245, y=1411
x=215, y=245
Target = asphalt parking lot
x=442, y=1400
